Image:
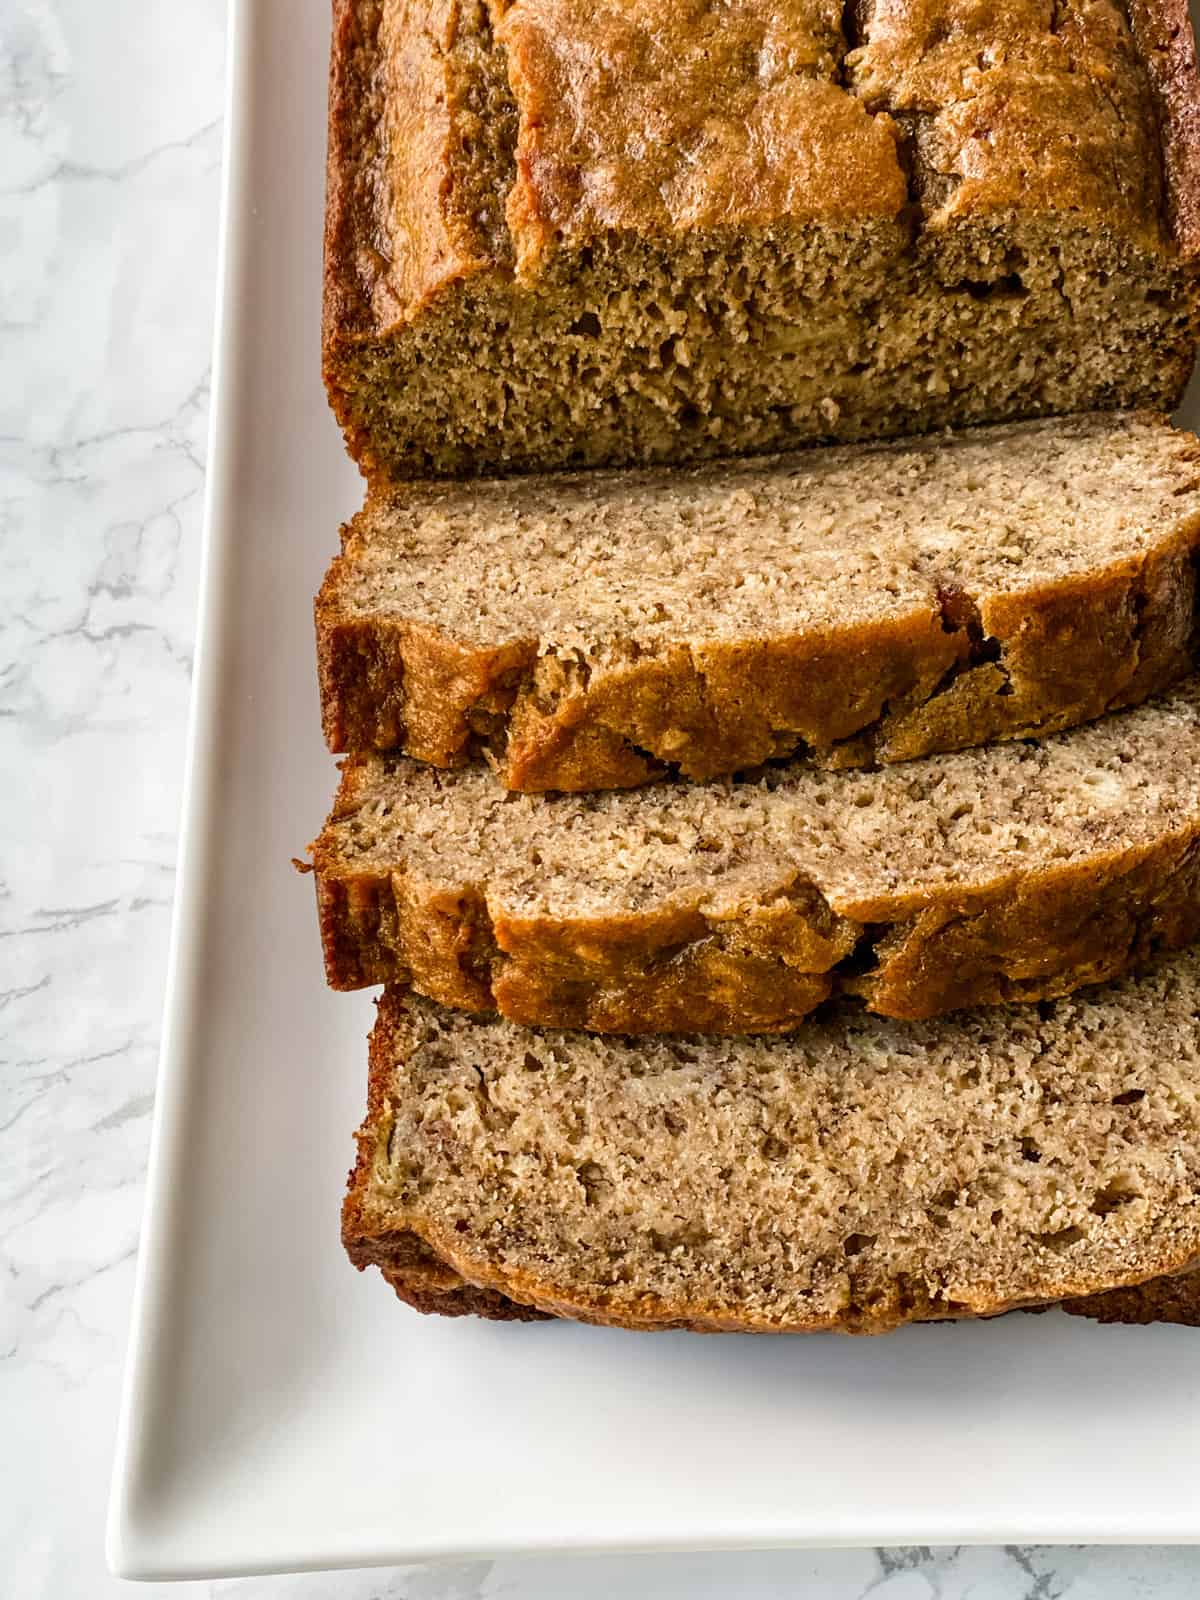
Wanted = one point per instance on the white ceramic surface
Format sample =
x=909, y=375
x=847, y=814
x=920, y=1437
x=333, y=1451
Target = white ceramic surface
x=283, y=1402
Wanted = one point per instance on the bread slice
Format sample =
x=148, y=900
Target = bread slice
x=561, y=233
x=424, y=1282
x=865, y=604
x=1017, y=871
x=857, y=1175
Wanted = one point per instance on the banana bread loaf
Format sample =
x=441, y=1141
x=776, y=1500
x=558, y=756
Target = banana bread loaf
x=860, y=1174
x=1015, y=871
x=868, y=603
x=580, y=231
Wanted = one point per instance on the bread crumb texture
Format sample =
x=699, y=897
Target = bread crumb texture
x=859, y=604
x=1014, y=871
x=855, y=1175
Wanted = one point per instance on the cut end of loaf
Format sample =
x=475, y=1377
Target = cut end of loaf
x=580, y=373
x=821, y=220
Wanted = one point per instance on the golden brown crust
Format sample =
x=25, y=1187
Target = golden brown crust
x=458, y=1299
x=1016, y=106
x=353, y=264
x=412, y=686
x=1029, y=664
x=344, y=308
x=744, y=122
x=434, y=240
x=1043, y=937
x=712, y=130
x=1037, y=933
x=396, y=230
x=399, y=230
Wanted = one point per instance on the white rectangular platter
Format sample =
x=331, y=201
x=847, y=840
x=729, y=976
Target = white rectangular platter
x=282, y=1411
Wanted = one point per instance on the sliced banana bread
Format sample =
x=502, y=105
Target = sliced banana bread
x=868, y=603
x=568, y=232
x=1015, y=871
x=859, y=1174
x=424, y=1281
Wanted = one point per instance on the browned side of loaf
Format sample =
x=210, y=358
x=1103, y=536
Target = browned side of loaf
x=1162, y=31
x=1175, y=1298
x=350, y=170
x=1009, y=666
x=387, y=684
x=677, y=969
x=427, y=1284
x=462, y=1300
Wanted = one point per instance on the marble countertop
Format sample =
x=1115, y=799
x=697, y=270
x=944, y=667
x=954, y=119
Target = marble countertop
x=110, y=149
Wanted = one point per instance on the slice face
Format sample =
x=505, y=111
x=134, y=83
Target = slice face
x=1015, y=872
x=865, y=604
x=860, y=1174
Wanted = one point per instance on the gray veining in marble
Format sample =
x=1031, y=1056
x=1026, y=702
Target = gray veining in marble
x=109, y=164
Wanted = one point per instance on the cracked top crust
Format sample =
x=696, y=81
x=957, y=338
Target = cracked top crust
x=1044, y=104
x=493, y=132
x=658, y=119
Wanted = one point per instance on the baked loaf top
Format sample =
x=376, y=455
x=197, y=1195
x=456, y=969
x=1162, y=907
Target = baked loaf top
x=1012, y=871
x=857, y=1175
x=869, y=603
x=492, y=131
